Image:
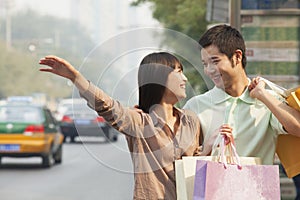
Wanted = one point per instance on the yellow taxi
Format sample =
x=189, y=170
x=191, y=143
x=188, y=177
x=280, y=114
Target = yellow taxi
x=29, y=130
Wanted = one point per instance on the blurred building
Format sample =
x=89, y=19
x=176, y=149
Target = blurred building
x=100, y=18
x=271, y=29
x=105, y=18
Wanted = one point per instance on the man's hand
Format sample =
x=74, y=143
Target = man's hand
x=256, y=88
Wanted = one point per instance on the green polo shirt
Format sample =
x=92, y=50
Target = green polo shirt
x=255, y=128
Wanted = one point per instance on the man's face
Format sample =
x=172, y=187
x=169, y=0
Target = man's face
x=217, y=67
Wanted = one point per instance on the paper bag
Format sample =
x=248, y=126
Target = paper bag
x=213, y=182
x=292, y=95
x=293, y=99
x=288, y=151
x=185, y=173
x=288, y=146
x=185, y=169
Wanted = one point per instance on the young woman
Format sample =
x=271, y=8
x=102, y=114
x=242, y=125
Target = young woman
x=157, y=132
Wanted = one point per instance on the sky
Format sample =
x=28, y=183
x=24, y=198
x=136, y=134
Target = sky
x=52, y=7
x=109, y=24
x=60, y=8
x=113, y=16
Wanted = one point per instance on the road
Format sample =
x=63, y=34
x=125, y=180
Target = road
x=92, y=170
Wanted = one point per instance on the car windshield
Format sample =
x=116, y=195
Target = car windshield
x=20, y=114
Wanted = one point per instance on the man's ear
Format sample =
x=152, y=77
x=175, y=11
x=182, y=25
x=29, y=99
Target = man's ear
x=238, y=56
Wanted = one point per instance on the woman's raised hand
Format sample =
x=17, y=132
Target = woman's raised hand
x=59, y=67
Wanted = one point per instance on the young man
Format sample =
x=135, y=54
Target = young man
x=255, y=115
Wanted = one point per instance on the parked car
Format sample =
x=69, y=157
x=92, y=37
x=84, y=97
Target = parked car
x=77, y=119
x=29, y=130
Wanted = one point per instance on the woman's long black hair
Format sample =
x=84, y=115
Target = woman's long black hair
x=152, y=77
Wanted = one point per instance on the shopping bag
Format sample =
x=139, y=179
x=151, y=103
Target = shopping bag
x=185, y=173
x=293, y=99
x=186, y=167
x=288, y=146
x=234, y=181
x=292, y=95
x=181, y=187
x=288, y=151
x=213, y=181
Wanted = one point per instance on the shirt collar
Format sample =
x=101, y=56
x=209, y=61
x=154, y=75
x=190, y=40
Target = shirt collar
x=219, y=96
x=157, y=119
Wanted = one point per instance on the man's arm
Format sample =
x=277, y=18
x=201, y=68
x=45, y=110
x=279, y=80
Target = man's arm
x=286, y=115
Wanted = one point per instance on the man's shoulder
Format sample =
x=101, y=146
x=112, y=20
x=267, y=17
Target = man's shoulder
x=196, y=102
x=201, y=97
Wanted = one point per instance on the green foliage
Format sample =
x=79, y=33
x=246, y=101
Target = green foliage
x=273, y=68
x=19, y=74
x=271, y=33
x=48, y=33
x=187, y=17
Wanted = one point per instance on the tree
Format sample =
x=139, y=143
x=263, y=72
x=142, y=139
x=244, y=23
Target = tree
x=34, y=36
x=49, y=33
x=188, y=17
x=19, y=75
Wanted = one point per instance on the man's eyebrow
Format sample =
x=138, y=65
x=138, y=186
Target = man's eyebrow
x=211, y=58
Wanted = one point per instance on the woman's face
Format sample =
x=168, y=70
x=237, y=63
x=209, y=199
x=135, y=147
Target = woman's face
x=175, y=86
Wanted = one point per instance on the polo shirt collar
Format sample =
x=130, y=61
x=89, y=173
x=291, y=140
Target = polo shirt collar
x=220, y=96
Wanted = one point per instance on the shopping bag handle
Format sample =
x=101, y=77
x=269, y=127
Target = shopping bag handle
x=276, y=88
x=235, y=159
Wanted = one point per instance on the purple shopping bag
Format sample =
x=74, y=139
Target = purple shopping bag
x=213, y=181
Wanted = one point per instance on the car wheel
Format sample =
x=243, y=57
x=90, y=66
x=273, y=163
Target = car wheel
x=72, y=139
x=111, y=136
x=47, y=160
x=115, y=138
x=107, y=136
x=58, y=155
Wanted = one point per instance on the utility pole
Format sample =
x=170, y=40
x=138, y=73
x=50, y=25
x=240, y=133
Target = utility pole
x=235, y=14
x=6, y=6
x=8, y=24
